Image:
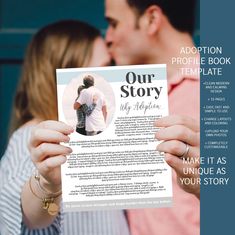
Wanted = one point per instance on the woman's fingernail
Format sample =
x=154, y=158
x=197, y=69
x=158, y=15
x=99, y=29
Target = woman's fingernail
x=156, y=137
x=167, y=157
x=67, y=139
x=65, y=159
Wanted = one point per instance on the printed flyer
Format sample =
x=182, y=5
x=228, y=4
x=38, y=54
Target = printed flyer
x=115, y=181
x=114, y=163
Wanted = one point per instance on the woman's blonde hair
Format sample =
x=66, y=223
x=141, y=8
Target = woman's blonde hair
x=64, y=44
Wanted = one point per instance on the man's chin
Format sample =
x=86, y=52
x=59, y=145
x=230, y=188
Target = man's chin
x=121, y=61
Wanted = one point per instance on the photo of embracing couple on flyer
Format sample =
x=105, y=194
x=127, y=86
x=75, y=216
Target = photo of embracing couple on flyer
x=90, y=106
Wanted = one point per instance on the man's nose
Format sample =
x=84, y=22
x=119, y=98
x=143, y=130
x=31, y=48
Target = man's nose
x=109, y=37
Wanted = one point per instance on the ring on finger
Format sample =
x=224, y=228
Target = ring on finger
x=185, y=151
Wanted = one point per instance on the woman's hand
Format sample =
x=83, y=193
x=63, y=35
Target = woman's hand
x=46, y=152
x=181, y=144
x=95, y=98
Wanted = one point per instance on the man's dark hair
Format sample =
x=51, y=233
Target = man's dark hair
x=88, y=81
x=180, y=13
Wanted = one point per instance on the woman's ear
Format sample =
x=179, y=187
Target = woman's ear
x=152, y=19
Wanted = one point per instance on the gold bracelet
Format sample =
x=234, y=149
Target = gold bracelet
x=47, y=202
x=43, y=190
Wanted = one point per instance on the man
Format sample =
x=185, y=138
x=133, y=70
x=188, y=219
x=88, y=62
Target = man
x=154, y=32
x=95, y=122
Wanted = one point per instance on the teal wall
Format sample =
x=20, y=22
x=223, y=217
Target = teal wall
x=18, y=21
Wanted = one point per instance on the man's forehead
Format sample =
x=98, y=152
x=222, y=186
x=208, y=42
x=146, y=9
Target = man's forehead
x=117, y=9
x=115, y=6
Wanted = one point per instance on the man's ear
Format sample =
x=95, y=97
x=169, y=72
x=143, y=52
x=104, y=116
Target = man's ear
x=152, y=19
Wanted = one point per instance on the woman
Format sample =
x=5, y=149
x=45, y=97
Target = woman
x=24, y=195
